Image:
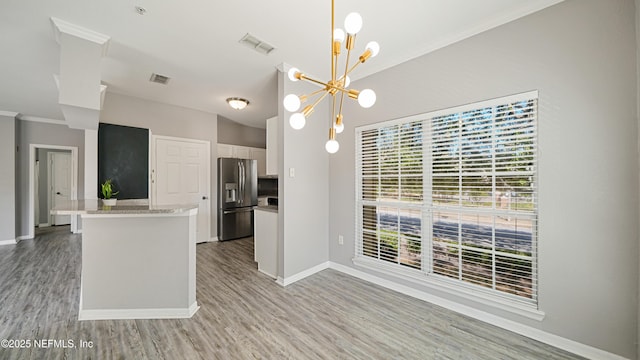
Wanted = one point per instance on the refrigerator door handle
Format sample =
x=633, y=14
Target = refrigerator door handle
x=241, y=185
x=241, y=210
x=244, y=179
x=239, y=201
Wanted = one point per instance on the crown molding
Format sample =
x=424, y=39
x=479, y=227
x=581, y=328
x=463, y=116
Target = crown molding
x=63, y=27
x=40, y=119
x=283, y=67
x=9, y=113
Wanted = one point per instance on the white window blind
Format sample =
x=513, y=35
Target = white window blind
x=392, y=182
x=452, y=195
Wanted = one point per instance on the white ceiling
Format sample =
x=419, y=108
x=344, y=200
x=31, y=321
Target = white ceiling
x=195, y=42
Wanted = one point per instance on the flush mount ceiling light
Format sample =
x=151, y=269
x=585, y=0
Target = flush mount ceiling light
x=336, y=86
x=237, y=103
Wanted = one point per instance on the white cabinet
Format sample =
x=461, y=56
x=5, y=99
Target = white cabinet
x=226, y=151
x=260, y=155
x=272, y=146
x=244, y=152
x=265, y=236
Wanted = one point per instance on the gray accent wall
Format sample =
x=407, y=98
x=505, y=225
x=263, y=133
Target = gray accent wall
x=167, y=120
x=7, y=178
x=231, y=132
x=581, y=57
x=30, y=132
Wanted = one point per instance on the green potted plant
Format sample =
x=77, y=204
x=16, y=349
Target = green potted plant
x=107, y=193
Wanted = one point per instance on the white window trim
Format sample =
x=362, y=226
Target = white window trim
x=424, y=277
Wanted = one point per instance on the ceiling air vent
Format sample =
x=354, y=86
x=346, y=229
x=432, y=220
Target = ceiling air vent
x=257, y=44
x=160, y=79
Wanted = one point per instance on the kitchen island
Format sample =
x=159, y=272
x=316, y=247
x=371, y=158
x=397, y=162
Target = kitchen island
x=266, y=239
x=138, y=261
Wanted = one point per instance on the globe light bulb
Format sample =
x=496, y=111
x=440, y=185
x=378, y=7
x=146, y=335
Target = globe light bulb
x=347, y=81
x=373, y=47
x=292, y=74
x=291, y=102
x=339, y=128
x=353, y=23
x=332, y=146
x=338, y=35
x=367, y=98
x=297, y=121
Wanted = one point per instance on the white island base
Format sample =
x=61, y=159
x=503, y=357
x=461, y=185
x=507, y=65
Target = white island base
x=138, y=262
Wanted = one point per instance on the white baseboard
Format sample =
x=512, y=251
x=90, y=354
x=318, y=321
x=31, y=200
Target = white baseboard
x=301, y=275
x=44, y=225
x=575, y=347
x=8, y=242
x=124, y=314
x=23, y=237
x=213, y=239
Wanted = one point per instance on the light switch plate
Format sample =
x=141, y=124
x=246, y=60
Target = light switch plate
x=292, y=172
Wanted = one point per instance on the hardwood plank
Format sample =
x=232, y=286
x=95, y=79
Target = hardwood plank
x=244, y=314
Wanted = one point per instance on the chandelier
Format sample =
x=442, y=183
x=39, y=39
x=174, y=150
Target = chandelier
x=337, y=86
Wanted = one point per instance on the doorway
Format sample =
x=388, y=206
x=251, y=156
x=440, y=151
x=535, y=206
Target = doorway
x=58, y=189
x=53, y=177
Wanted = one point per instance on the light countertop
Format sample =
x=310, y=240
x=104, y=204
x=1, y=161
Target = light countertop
x=95, y=207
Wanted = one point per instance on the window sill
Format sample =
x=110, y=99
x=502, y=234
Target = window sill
x=476, y=295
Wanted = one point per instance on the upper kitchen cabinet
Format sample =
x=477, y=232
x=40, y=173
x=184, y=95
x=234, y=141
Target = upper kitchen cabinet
x=260, y=155
x=272, y=146
x=226, y=151
x=244, y=152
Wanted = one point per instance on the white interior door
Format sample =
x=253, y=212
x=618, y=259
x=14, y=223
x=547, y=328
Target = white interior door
x=36, y=194
x=182, y=176
x=60, y=189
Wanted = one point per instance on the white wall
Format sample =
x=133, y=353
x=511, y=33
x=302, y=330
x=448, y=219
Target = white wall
x=7, y=178
x=581, y=56
x=167, y=120
x=304, y=199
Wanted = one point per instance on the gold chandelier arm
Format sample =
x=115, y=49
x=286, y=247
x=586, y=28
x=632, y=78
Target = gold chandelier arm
x=305, y=77
x=333, y=110
x=333, y=67
x=304, y=98
x=343, y=80
x=341, y=102
x=352, y=68
x=319, y=99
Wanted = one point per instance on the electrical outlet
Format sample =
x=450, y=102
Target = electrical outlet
x=340, y=240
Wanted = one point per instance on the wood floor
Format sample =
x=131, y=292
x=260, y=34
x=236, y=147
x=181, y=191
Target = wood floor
x=243, y=315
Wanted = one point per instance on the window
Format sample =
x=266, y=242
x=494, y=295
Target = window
x=450, y=197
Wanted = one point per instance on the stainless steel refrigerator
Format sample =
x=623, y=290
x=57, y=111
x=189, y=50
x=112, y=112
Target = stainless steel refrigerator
x=237, y=196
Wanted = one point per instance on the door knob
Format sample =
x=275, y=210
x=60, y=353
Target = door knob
x=58, y=193
x=204, y=198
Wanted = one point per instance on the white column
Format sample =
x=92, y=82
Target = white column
x=90, y=164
